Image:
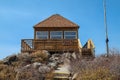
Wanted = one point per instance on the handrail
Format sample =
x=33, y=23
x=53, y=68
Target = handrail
x=27, y=45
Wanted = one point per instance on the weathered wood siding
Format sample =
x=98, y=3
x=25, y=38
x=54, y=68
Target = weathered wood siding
x=56, y=45
x=49, y=45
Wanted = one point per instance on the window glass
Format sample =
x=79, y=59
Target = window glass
x=42, y=34
x=70, y=34
x=56, y=35
x=70, y=37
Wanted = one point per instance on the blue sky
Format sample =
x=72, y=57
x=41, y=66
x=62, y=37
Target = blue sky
x=17, y=18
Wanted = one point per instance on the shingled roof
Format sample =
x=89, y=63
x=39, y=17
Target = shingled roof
x=56, y=21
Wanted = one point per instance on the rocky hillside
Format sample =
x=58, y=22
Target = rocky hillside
x=35, y=66
x=41, y=65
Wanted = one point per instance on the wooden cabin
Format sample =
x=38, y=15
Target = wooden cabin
x=54, y=34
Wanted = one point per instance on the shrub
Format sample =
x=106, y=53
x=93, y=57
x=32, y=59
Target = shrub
x=1, y=62
x=40, y=54
x=37, y=59
x=7, y=72
x=95, y=74
x=24, y=59
x=101, y=68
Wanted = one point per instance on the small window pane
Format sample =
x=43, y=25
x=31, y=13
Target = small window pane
x=70, y=34
x=42, y=34
x=42, y=37
x=56, y=35
x=70, y=37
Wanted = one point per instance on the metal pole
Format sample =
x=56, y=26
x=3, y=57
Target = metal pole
x=106, y=29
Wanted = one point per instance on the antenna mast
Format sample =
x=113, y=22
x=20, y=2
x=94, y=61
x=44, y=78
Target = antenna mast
x=106, y=29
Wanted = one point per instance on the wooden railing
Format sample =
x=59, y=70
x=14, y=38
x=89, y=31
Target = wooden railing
x=27, y=45
x=87, y=52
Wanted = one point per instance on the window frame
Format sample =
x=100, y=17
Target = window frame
x=41, y=35
x=54, y=35
x=68, y=35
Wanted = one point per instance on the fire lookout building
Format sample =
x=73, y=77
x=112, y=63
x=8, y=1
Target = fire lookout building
x=56, y=34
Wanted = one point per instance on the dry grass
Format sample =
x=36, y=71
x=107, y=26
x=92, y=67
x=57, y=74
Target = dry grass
x=101, y=68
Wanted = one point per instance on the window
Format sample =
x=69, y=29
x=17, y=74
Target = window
x=42, y=35
x=70, y=34
x=56, y=35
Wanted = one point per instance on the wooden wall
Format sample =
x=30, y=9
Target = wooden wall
x=56, y=45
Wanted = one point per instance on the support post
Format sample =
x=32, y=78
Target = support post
x=106, y=29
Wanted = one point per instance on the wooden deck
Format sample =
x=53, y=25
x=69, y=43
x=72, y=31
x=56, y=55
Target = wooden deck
x=31, y=45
